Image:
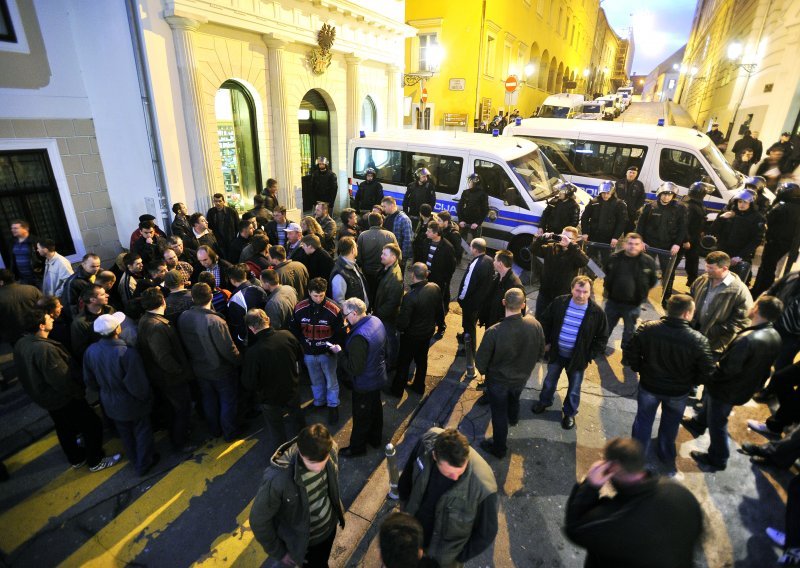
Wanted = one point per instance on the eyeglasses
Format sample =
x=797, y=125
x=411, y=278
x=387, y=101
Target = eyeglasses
x=347, y=314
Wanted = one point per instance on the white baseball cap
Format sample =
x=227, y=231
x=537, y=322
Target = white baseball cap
x=107, y=323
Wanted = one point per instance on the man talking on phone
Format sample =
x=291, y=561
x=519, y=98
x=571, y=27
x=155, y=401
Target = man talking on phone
x=650, y=521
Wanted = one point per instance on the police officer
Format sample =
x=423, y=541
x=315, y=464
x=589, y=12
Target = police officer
x=324, y=186
x=562, y=210
x=631, y=191
x=756, y=185
x=783, y=234
x=419, y=191
x=603, y=220
x=739, y=232
x=662, y=225
x=473, y=207
x=370, y=192
x=695, y=227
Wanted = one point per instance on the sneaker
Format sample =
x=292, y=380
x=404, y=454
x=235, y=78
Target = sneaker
x=791, y=557
x=762, y=428
x=79, y=465
x=776, y=536
x=105, y=463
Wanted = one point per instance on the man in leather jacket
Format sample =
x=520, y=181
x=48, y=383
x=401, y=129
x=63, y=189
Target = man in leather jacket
x=631, y=191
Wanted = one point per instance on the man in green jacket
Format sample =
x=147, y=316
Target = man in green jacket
x=297, y=507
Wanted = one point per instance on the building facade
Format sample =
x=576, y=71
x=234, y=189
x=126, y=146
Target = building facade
x=741, y=67
x=113, y=109
x=465, y=52
x=662, y=82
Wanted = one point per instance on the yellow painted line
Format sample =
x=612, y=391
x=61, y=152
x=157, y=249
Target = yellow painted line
x=30, y=453
x=23, y=521
x=238, y=547
x=125, y=537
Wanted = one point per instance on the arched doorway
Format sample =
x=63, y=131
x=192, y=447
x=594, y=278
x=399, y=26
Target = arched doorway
x=314, y=122
x=238, y=142
x=369, y=115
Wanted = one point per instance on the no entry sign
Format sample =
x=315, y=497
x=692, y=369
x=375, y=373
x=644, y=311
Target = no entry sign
x=511, y=84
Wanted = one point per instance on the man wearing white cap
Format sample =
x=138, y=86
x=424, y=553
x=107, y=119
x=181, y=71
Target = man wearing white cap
x=293, y=235
x=117, y=372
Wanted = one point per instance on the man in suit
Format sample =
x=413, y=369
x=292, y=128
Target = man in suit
x=475, y=287
x=441, y=262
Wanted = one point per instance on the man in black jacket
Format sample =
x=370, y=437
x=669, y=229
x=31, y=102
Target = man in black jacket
x=209, y=261
x=316, y=259
x=77, y=283
x=630, y=274
x=562, y=210
x=149, y=245
x=242, y=239
x=695, y=227
x=276, y=229
x=370, y=192
x=474, y=288
x=473, y=207
x=493, y=309
x=419, y=191
x=717, y=137
x=180, y=225
x=324, y=185
x=670, y=358
x=739, y=232
x=631, y=191
x=603, y=221
x=223, y=220
x=441, y=263
x=271, y=370
x=451, y=234
x=246, y=296
x=562, y=260
x=783, y=234
x=419, y=312
x=742, y=369
x=619, y=530
x=202, y=235
x=576, y=332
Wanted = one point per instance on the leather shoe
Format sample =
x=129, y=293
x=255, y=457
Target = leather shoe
x=488, y=447
x=693, y=426
x=762, y=460
x=568, y=422
x=539, y=407
x=703, y=459
x=753, y=449
x=351, y=452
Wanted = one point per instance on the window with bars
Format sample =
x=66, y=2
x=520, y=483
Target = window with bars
x=28, y=191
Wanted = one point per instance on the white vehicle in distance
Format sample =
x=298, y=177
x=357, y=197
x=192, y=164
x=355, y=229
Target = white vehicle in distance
x=515, y=173
x=594, y=110
x=610, y=109
x=564, y=105
x=588, y=152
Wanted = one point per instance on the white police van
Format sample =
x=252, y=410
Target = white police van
x=588, y=152
x=517, y=176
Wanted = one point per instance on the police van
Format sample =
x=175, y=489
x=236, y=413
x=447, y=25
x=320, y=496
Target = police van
x=517, y=176
x=588, y=152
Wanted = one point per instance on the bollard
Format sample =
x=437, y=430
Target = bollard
x=470, y=356
x=394, y=473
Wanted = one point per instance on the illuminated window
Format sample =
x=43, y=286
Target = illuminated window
x=428, y=57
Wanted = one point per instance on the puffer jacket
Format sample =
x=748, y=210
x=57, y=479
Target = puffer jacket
x=208, y=343
x=669, y=356
x=728, y=310
x=279, y=517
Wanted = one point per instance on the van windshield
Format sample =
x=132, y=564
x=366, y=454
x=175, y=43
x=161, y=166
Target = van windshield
x=549, y=111
x=537, y=174
x=591, y=108
x=720, y=165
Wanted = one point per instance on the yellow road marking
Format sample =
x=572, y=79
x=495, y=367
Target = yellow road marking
x=30, y=453
x=124, y=538
x=24, y=520
x=238, y=546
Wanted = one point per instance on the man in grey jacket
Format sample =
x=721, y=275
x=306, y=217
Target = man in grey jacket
x=297, y=508
x=370, y=245
x=507, y=356
x=215, y=361
x=281, y=300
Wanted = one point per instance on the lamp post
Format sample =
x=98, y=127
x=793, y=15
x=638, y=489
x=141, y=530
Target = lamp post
x=735, y=51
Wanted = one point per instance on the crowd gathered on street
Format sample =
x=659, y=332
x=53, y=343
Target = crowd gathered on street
x=223, y=317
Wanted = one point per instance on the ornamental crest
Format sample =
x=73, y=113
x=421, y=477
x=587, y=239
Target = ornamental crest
x=320, y=57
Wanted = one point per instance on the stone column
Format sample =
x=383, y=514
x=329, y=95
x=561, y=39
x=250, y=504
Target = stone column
x=183, y=31
x=394, y=107
x=353, y=100
x=284, y=165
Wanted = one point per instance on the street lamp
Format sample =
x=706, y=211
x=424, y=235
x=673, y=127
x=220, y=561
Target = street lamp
x=735, y=52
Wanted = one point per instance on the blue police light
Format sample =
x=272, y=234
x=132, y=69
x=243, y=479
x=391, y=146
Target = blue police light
x=661, y=122
x=518, y=121
x=362, y=134
x=495, y=132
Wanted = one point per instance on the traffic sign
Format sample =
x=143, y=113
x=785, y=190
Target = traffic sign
x=511, y=84
x=424, y=97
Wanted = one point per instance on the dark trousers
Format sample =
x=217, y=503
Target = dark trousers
x=793, y=513
x=78, y=418
x=416, y=349
x=786, y=451
x=773, y=251
x=691, y=262
x=785, y=380
x=392, y=345
x=219, y=405
x=179, y=398
x=367, y=420
x=672, y=408
x=137, y=439
x=445, y=286
x=790, y=345
x=469, y=322
x=504, y=403
x=663, y=263
x=629, y=315
x=283, y=422
x=317, y=555
x=714, y=415
x=371, y=280
x=599, y=254
x=542, y=301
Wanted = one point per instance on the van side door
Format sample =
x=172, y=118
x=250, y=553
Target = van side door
x=447, y=173
x=684, y=166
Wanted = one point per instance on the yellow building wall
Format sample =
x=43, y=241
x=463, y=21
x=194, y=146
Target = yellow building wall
x=554, y=36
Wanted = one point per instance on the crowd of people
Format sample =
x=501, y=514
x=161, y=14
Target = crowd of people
x=222, y=317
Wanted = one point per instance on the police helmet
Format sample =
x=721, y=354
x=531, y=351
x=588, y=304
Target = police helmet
x=370, y=171
x=566, y=187
x=667, y=187
x=756, y=182
x=606, y=186
x=322, y=160
x=422, y=172
x=701, y=188
x=788, y=190
x=474, y=178
x=744, y=195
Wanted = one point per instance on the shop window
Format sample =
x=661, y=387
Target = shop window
x=28, y=191
x=238, y=142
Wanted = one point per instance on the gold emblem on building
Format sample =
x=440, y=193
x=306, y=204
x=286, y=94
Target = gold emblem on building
x=320, y=57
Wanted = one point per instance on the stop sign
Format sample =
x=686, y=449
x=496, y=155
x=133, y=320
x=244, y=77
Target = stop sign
x=424, y=97
x=511, y=84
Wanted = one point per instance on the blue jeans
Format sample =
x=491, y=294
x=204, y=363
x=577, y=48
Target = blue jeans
x=504, y=402
x=629, y=315
x=672, y=408
x=137, y=439
x=324, y=384
x=714, y=415
x=219, y=405
x=575, y=378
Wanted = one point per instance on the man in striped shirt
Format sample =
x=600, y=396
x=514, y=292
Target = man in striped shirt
x=576, y=331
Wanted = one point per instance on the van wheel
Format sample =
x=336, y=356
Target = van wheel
x=520, y=248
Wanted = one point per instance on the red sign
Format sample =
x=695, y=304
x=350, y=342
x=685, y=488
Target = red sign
x=511, y=84
x=424, y=97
